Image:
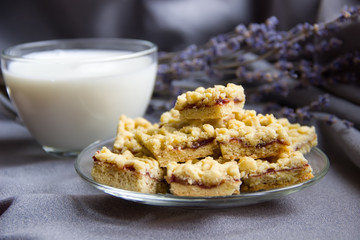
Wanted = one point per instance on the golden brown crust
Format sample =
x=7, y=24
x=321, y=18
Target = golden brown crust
x=277, y=179
x=126, y=178
x=235, y=149
x=224, y=189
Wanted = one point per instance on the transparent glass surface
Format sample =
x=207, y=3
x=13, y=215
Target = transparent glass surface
x=64, y=90
x=84, y=163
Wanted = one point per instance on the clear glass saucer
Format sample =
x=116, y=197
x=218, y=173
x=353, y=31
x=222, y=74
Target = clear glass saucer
x=84, y=163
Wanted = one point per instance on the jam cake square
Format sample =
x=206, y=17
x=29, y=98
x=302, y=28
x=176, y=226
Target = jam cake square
x=252, y=135
x=288, y=168
x=168, y=143
x=213, y=103
x=206, y=177
x=128, y=172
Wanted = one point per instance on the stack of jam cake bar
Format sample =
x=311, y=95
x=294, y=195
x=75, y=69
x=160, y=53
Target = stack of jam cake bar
x=207, y=145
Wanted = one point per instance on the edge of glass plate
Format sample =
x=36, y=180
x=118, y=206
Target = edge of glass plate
x=213, y=202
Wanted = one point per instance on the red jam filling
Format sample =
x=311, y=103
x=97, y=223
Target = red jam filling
x=219, y=101
x=126, y=168
x=182, y=181
x=197, y=144
x=259, y=145
x=272, y=171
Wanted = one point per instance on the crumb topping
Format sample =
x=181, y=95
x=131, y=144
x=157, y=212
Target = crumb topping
x=252, y=129
x=295, y=129
x=143, y=165
x=125, y=137
x=299, y=135
x=206, y=171
x=285, y=161
x=168, y=137
x=172, y=116
x=172, y=119
x=210, y=96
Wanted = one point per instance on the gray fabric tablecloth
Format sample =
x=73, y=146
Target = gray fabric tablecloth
x=42, y=197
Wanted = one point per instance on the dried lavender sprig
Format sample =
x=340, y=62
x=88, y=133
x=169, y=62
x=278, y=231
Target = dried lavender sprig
x=302, y=114
x=303, y=70
x=292, y=53
x=332, y=119
x=255, y=38
x=340, y=69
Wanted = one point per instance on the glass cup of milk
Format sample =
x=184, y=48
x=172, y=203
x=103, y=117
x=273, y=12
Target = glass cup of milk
x=70, y=93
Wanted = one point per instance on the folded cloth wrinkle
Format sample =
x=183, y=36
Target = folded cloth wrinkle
x=5, y=204
x=339, y=107
x=346, y=138
x=300, y=97
x=349, y=92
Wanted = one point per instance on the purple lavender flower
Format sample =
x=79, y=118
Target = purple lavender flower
x=241, y=29
x=271, y=22
x=348, y=124
x=330, y=119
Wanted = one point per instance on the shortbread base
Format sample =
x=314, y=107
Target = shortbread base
x=224, y=189
x=236, y=149
x=111, y=175
x=182, y=155
x=276, y=179
x=211, y=112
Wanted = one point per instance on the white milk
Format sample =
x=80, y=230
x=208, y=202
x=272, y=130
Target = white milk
x=67, y=105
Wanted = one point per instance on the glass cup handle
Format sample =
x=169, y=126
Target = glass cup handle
x=9, y=109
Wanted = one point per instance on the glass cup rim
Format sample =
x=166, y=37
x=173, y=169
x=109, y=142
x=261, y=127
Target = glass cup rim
x=150, y=48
